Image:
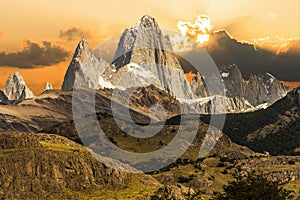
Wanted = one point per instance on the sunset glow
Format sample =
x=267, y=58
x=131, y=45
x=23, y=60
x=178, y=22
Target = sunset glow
x=191, y=33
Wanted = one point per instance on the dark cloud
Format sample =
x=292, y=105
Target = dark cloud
x=34, y=55
x=225, y=50
x=74, y=33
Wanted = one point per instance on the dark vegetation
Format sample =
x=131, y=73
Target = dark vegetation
x=254, y=186
x=275, y=130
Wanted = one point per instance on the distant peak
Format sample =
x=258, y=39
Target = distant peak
x=146, y=22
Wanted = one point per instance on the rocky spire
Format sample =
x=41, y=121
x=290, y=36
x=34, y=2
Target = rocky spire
x=264, y=89
x=145, y=56
x=16, y=88
x=233, y=81
x=199, y=87
x=145, y=43
x=48, y=86
x=86, y=66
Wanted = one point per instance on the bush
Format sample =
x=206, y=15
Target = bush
x=253, y=186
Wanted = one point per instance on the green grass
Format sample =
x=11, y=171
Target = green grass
x=134, y=190
x=63, y=147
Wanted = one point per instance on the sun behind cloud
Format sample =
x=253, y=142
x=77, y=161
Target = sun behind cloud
x=192, y=33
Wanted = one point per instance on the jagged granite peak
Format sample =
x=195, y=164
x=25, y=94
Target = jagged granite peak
x=145, y=44
x=145, y=56
x=3, y=98
x=86, y=66
x=48, y=86
x=199, y=86
x=233, y=81
x=265, y=89
x=16, y=89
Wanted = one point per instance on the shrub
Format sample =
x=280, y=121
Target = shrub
x=253, y=186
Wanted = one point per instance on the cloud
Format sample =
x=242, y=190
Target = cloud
x=278, y=44
x=251, y=59
x=34, y=55
x=74, y=34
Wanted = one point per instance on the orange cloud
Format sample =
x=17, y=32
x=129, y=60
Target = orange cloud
x=278, y=44
x=74, y=33
x=34, y=55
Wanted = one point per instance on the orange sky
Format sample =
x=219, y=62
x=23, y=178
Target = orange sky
x=37, y=21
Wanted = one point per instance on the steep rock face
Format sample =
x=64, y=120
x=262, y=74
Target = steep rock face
x=51, y=165
x=16, y=89
x=264, y=89
x=233, y=81
x=86, y=66
x=145, y=56
x=145, y=44
x=3, y=98
x=199, y=87
x=48, y=86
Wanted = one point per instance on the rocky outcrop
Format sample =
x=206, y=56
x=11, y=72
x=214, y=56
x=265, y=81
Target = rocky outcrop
x=145, y=56
x=199, y=87
x=177, y=192
x=233, y=81
x=16, y=89
x=39, y=165
x=264, y=89
x=85, y=67
x=48, y=86
x=3, y=98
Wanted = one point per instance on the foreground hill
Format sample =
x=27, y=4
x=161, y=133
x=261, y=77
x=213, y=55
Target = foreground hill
x=46, y=166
